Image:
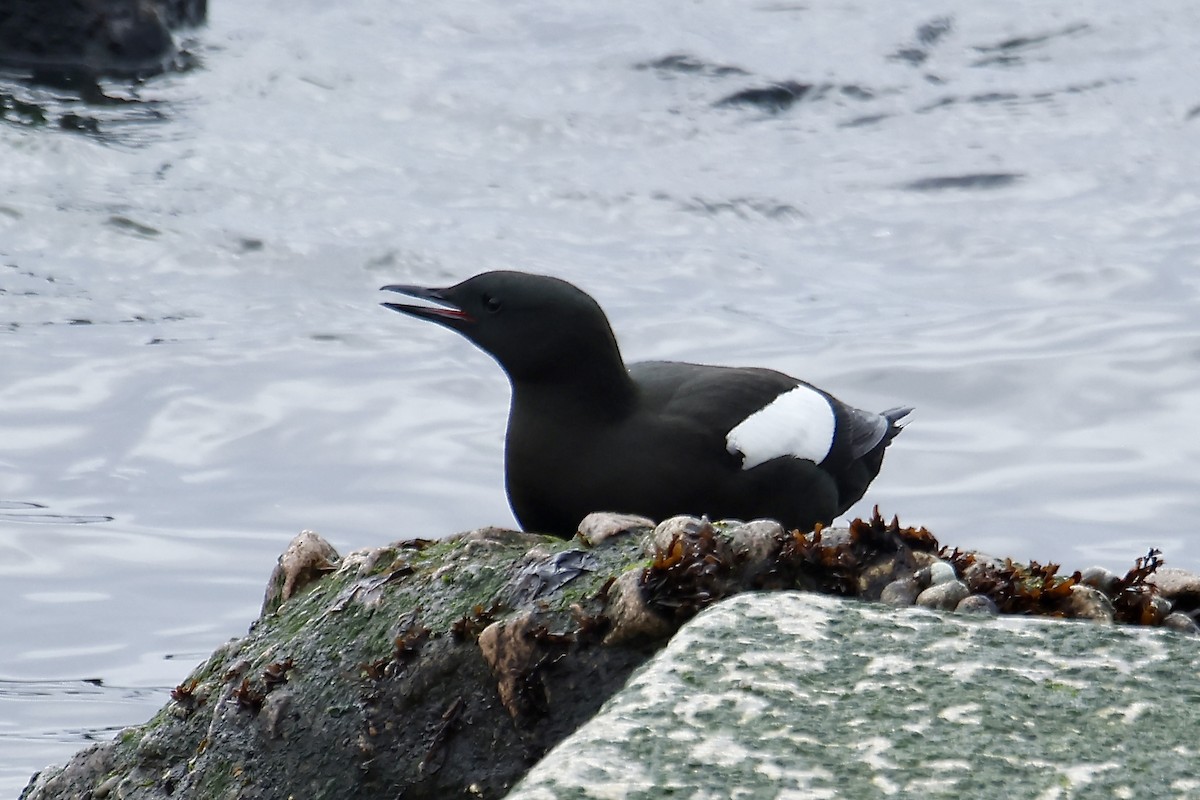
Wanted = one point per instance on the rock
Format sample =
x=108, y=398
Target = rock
x=512, y=653
x=543, y=573
x=492, y=538
x=977, y=604
x=923, y=559
x=407, y=666
x=1161, y=608
x=1179, y=586
x=682, y=527
x=1088, y=603
x=754, y=547
x=882, y=571
x=941, y=572
x=1102, y=579
x=435, y=669
x=1181, y=623
x=944, y=596
x=632, y=619
x=934, y=573
x=598, y=527
x=88, y=770
x=795, y=695
x=980, y=568
x=123, y=38
x=834, y=538
x=308, y=558
x=902, y=592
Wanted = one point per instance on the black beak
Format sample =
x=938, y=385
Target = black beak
x=446, y=311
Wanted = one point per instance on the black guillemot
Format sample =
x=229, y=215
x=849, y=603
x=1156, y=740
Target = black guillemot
x=657, y=438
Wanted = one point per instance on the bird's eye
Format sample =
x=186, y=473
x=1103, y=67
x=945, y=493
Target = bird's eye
x=491, y=303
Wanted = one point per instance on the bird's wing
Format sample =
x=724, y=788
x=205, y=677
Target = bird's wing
x=717, y=399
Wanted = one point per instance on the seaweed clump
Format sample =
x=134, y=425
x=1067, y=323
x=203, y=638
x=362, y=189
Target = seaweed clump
x=1033, y=588
x=1039, y=590
x=853, y=562
x=688, y=572
x=1135, y=600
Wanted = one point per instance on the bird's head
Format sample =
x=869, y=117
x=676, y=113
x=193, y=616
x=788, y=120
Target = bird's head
x=533, y=325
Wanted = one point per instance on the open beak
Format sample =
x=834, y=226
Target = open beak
x=446, y=311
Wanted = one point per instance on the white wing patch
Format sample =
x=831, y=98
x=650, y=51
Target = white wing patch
x=798, y=423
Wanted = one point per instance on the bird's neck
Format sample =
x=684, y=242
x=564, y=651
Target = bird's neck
x=596, y=388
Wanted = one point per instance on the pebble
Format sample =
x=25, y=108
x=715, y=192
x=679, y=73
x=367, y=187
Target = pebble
x=756, y=545
x=876, y=575
x=1102, y=579
x=682, y=527
x=944, y=596
x=1162, y=606
x=308, y=558
x=981, y=567
x=924, y=559
x=602, y=525
x=977, y=604
x=941, y=572
x=902, y=592
x=106, y=787
x=632, y=619
x=1089, y=603
x=1182, y=623
x=934, y=573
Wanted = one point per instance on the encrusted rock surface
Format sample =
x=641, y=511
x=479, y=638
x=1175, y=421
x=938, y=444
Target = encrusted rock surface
x=432, y=669
x=801, y=696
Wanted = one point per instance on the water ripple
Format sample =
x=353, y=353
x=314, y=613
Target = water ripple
x=36, y=513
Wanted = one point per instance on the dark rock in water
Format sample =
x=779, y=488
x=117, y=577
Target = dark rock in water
x=777, y=97
x=772, y=99
x=689, y=64
x=976, y=180
x=94, y=37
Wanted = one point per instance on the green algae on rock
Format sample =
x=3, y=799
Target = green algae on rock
x=432, y=668
x=354, y=682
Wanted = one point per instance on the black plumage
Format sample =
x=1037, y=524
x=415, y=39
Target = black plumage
x=587, y=433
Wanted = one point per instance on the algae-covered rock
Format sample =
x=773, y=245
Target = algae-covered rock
x=446, y=669
x=378, y=674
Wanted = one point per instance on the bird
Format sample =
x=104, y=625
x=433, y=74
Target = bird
x=588, y=433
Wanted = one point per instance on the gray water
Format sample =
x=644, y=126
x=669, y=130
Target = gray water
x=989, y=212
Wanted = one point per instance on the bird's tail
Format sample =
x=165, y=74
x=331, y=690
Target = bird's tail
x=894, y=417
